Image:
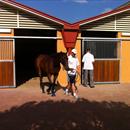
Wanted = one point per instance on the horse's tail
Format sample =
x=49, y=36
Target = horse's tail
x=37, y=66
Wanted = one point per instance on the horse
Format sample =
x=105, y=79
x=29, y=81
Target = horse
x=50, y=66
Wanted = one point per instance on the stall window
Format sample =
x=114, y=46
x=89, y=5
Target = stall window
x=103, y=49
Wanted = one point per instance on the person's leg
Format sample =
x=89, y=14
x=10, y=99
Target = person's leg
x=91, y=78
x=74, y=90
x=68, y=88
x=85, y=80
x=68, y=85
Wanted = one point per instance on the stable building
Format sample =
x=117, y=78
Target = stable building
x=108, y=36
x=26, y=33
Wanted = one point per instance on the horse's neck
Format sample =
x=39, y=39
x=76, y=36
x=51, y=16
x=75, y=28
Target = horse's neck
x=56, y=59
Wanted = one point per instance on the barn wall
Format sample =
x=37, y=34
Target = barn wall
x=31, y=21
x=119, y=22
x=78, y=47
x=125, y=62
x=8, y=17
x=14, y=18
x=62, y=78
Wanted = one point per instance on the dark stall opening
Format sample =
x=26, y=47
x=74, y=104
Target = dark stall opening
x=101, y=34
x=26, y=51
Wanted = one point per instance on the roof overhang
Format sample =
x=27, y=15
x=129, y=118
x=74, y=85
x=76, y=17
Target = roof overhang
x=104, y=15
x=33, y=11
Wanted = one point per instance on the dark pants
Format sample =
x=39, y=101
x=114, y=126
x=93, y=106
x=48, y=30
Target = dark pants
x=72, y=78
x=88, y=78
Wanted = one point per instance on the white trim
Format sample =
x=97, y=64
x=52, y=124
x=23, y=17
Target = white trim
x=7, y=86
x=120, y=70
x=115, y=23
x=17, y=19
x=14, y=67
x=100, y=39
x=125, y=34
x=31, y=12
x=7, y=60
x=108, y=82
x=27, y=37
x=107, y=59
x=5, y=30
x=35, y=28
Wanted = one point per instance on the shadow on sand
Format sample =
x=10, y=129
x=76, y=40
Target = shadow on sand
x=67, y=115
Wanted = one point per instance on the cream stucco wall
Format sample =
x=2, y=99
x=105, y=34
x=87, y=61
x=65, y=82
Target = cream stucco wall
x=78, y=48
x=125, y=60
x=62, y=78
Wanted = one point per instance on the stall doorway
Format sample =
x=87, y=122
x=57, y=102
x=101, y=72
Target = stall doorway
x=27, y=49
x=107, y=59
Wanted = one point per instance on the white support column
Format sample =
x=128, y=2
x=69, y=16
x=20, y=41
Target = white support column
x=17, y=19
x=115, y=23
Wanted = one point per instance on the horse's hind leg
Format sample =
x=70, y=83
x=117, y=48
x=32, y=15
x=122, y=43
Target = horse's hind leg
x=53, y=85
x=50, y=83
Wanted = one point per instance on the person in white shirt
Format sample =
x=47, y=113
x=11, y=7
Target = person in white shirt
x=88, y=60
x=73, y=64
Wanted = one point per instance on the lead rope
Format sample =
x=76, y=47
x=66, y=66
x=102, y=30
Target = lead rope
x=78, y=77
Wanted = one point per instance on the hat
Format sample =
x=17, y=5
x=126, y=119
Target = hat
x=74, y=51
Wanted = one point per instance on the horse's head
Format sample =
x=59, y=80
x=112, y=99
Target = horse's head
x=64, y=60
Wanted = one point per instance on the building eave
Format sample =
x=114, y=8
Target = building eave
x=34, y=11
x=101, y=16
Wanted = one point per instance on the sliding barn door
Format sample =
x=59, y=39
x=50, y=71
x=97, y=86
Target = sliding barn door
x=107, y=59
x=7, y=63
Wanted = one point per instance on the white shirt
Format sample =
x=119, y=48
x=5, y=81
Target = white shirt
x=73, y=62
x=88, y=60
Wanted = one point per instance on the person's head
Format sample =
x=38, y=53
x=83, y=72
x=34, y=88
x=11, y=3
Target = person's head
x=88, y=50
x=74, y=52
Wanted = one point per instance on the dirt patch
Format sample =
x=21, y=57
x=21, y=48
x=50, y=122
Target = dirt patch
x=105, y=107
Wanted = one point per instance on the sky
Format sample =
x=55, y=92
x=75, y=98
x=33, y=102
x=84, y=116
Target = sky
x=73, y=10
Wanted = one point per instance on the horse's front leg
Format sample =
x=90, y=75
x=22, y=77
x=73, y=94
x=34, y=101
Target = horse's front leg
x=50, y=83
x=53, y=85
x=41, y=83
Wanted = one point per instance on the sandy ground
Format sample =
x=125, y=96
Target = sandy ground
x=105, y=107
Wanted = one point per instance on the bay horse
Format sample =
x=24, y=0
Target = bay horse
x=49, y=65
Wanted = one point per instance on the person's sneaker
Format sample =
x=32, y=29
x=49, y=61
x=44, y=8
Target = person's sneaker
x=76, y=97
x=85, y=85
x=53, y=94
x=92, y=86
x=66, y=92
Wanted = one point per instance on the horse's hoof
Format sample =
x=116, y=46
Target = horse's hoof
x=53, y=94
x=48, y=91
x=43, y=91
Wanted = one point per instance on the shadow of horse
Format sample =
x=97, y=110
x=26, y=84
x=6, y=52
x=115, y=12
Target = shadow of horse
x=67, y=115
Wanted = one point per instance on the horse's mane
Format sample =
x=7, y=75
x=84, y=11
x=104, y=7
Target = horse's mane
x=56, y=54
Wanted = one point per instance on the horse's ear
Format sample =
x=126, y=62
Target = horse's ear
x=62, y=52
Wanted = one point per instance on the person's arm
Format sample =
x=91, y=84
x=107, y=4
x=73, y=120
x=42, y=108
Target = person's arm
x=78, y=66
x=78, y=69
x=93, y=59
x=83, y=60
